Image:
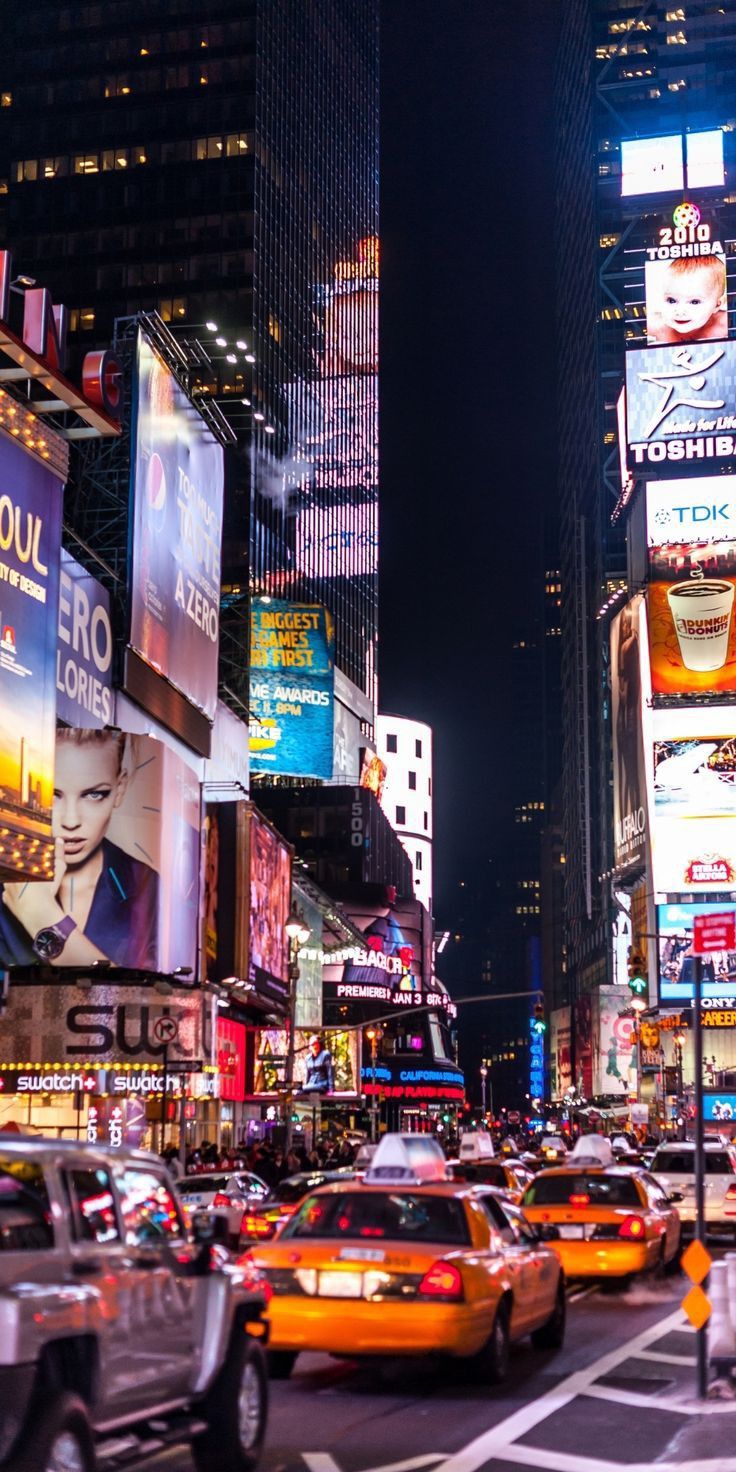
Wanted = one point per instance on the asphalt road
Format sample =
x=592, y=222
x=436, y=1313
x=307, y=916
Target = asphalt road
x=620, y=1393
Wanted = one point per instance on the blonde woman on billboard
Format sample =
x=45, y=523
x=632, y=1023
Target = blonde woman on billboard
x=102, y=904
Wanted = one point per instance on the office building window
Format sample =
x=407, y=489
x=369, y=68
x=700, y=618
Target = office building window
x=401, y=815
x=391, y=744
x=418, y=748
x=412, y=781
x=418, y=863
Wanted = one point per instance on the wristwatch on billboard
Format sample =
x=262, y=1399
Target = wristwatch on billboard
x=50, y=942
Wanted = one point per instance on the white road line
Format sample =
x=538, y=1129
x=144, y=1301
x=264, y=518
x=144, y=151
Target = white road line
x=497, y=1441
x=411, y=1462
x=662, y=1403
x=321, y=1462
x=550, y=1461
x=666, y=1359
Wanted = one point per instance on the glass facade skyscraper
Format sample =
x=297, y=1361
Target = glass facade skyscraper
x=218, y=164
x=627, y=70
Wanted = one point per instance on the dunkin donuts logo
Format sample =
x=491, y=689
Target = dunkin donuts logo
x=710, y=870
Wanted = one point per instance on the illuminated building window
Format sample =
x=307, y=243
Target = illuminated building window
x=3, y=186
x=236, y=144
x=274, y=327
x=6, y=99
x=86, y=319
x=677, y=86
x=26, y=169
x=677, y=38
x=401, y=815
x=86, y=163
x=675, y=14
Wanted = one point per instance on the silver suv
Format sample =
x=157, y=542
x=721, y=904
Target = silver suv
x=674, y=1167
x=122, y=1330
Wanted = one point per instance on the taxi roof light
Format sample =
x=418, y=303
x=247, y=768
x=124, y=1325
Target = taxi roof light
x=592, y=1150
x=442, y=1280
x=633, y=1228
x=407, y=1160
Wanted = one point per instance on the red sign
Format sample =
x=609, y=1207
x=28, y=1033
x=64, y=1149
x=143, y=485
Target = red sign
x=231, y=1043
x=714, y=933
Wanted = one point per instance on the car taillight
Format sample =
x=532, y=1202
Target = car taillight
x=257, y=1226
x=580, y=1198
x=221, y=1199
x=731, y=1193
x=633, y=1228
x=442, y=1280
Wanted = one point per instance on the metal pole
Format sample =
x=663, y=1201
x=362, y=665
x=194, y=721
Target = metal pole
x=702, y=1343
x=374, y=1097
x=637, y=1029
x=290, y=1048
x=163, y=1101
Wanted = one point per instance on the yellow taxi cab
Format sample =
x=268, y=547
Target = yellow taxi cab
x=405, y=1262
x=603, y=1220
x=478, y=1165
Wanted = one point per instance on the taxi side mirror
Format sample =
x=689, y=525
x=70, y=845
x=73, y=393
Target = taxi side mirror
x=675, y=1196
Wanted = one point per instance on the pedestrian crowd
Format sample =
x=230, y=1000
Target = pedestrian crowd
x=272, y=1163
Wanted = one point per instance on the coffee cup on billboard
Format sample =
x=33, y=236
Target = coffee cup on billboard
x=701, y=612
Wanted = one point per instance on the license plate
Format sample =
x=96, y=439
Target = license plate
x=362, y=1254
x=578, y=1230
x=340, y=1285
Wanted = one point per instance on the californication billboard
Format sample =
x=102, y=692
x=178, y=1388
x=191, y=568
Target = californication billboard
x=177, y=494
x=292, y=675
x=30, y=546
x=126, y=884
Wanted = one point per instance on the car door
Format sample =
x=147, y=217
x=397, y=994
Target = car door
x=100, y=1259
x=163, y=1308
x=520, y=1262
x=663, y=1209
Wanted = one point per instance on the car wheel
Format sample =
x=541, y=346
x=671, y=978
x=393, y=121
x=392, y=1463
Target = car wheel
x=281, y=1363
x=552, y=1334
x=235, y=1410
x=492, y=1362
x=60, y=1440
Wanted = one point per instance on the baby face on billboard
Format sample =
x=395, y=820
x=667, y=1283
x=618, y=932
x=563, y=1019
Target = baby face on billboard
x=686, y=300
x=89, y=784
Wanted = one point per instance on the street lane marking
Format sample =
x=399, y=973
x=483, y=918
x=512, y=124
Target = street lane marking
x=667, y=1359
x=426, y=1460
x=550, y=1461
x=321, y=1462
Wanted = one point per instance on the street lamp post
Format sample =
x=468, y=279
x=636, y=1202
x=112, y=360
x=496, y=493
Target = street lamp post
x=483, y=1077
x=297, y=931
x=374, y=1034
x=679, y=1042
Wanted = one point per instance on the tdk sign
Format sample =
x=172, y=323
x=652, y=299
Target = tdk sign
x=685, y=511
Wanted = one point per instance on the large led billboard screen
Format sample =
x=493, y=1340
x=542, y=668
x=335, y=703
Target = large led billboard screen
x=30, y=546
x=692, y=629
x=84, y=656
x=177, y=494
x=269, y=864
x=125, y=889
x=292, y=673
x=629, y=690
x=681, y=403
x=686, y=300
x=338, y=541
x=677, y=962
x=686, y=512
x=657, y=165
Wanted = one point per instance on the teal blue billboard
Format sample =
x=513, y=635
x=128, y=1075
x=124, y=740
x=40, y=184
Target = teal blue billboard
x=292, y=675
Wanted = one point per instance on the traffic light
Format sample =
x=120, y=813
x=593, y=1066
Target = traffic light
x=539, y=1025
x=637, y=969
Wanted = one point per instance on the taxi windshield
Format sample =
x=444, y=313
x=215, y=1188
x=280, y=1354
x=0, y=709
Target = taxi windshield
x=567, y=1189
x=398, y=1216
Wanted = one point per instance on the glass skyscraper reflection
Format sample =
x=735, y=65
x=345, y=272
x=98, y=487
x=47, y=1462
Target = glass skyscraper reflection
x=218, y=165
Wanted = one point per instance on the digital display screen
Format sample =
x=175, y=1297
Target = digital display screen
x=677, y=962
x=651, y=165
x=681, y=403
x=292, y=674
x=692, y=629
x=687, y=512
x=686, y=299
x=704, y=155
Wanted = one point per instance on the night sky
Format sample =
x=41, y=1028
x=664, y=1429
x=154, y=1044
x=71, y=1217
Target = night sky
x=467, y=388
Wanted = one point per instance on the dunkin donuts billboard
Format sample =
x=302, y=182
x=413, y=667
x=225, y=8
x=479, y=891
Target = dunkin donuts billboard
x=692, y=631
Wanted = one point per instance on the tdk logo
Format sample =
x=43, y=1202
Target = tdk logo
x=683, y=515
x=675, y=515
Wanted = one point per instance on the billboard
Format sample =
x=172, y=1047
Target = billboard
x=125, y=889
x=63, y=1026
x=629, y=690
x=270, y=1063
x=292, y=658
x=84, y=648
x=231, y=1049
x=692, y=629
x=614, y=1053
x=677, y=962
x=694, y=857
x=695, y=776
x=269, y=867
x=686, y=299
x=338, y=541
x=560, y=1052
x=176, y=516
x=30, y=544
x=684, y=512
x=681, y=403
x=657, y=165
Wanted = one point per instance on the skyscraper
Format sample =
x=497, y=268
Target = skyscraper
x=219, y=165
x=634, y=81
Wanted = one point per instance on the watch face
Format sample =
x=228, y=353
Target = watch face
x=48, y=944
